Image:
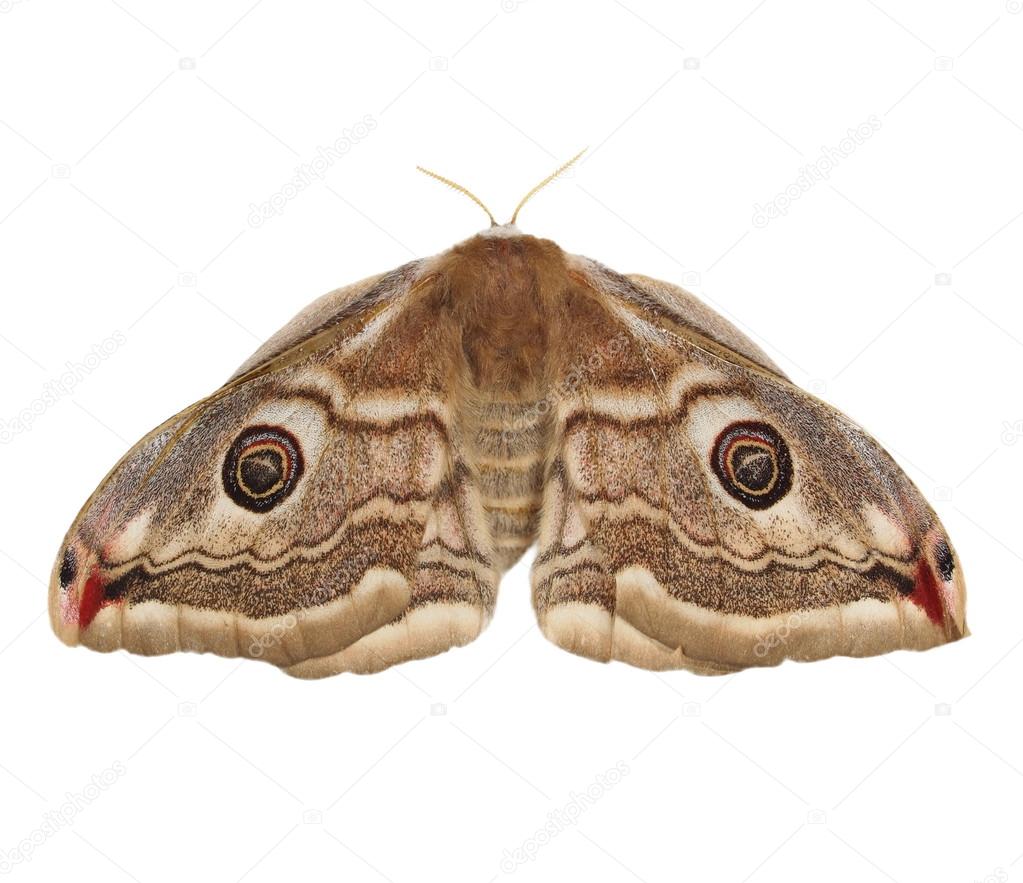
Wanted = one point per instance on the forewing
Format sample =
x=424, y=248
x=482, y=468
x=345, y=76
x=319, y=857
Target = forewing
x=312, y=502
x=703, y=512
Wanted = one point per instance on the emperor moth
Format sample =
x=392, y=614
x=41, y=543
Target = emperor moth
x=349, y=499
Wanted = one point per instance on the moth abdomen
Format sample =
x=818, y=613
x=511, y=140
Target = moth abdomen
x=506, y=447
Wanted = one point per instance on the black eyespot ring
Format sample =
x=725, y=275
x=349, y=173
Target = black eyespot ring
x=752, y=462
x=262, y=467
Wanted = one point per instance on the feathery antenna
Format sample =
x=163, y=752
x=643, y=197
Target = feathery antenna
x=544, y=183
x=460, y=189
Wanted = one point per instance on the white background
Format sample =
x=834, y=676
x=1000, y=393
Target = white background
x=134, y=137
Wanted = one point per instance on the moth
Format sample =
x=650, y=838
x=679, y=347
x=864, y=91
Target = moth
x=349, y=499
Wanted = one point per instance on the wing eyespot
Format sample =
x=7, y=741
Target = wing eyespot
x=753, y=464
x=262, y=467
